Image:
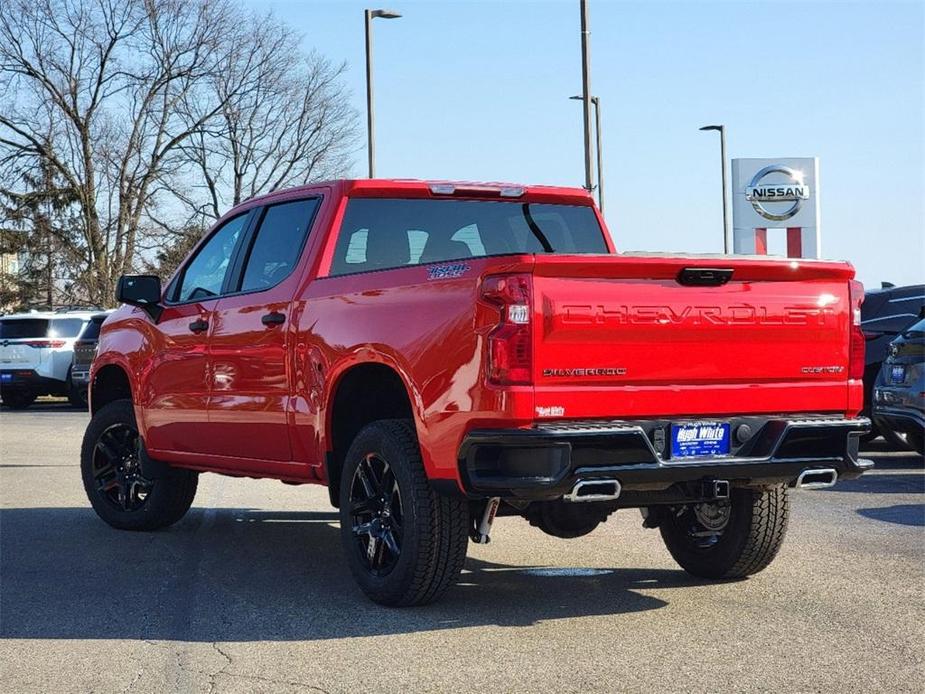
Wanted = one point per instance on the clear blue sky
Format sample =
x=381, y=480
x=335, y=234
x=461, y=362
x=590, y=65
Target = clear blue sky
x=478, y=91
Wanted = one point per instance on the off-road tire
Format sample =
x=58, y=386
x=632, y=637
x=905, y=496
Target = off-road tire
x=172, y=492
x=16, y=398
x=435, y=528
x=750, y=541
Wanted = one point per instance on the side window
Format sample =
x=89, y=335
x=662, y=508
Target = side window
x=204, y=275
x=278, y=244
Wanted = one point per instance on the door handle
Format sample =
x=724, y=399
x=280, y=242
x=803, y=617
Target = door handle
x=199, y=326
x=273, y=318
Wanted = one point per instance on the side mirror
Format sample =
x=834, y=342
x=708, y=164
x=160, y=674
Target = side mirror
x=143, y=291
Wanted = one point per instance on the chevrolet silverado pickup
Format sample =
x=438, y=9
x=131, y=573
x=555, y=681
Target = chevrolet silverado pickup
x=439, y=354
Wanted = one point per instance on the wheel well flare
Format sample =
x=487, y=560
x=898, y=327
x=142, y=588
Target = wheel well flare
x=363, y=395
x=109, y=384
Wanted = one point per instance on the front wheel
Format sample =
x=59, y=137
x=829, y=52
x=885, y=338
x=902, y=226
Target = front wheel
x=730, y=539
x=404, y=542
x=127, y=490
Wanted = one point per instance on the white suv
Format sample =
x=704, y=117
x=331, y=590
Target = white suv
x=35, y=355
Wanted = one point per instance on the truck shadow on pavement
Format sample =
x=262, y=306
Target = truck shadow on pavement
x=882, y=483
x=900, y=514
x=895, y=472
x=247, y=575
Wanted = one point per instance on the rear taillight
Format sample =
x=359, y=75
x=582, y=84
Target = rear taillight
x=856, y=344
x=510, y=345
x=54, y=344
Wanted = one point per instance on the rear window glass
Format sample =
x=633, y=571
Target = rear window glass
x=19, y=328
x=16, y=328
x=65, y=327
x=378, y=234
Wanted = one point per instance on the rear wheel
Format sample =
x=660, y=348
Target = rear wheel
x=17, y=398
x=127, y=490
x=731, y=539
x=405, y=544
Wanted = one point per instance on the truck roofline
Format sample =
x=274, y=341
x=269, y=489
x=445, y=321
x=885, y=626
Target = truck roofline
x=407, y=187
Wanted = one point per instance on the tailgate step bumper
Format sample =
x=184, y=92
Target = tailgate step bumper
x=548, y=460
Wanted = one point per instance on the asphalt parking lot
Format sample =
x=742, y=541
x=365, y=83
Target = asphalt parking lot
x=249, y=593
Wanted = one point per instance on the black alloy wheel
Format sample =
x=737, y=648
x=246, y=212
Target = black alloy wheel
x=375, y=506
x=405, y=543
x=126, y=488
x=116, y=467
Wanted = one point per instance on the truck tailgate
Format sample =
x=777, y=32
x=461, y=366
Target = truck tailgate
x=621, y=336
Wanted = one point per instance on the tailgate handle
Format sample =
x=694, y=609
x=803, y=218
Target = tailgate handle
x=704, y=276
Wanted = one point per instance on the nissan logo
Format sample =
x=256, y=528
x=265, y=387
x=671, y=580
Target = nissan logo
x=793, y=190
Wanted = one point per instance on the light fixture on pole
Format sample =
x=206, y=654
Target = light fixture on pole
x=586, y=89
x=369, y=16
x=722, y=153
x=600, y=155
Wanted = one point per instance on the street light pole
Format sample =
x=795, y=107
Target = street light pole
x=586, y=89
x=600, y=155
x=369, y=16
x=727, y=241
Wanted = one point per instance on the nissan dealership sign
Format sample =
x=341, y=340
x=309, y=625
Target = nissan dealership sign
x=776, y=199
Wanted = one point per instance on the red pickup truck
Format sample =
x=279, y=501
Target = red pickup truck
x=439, y=353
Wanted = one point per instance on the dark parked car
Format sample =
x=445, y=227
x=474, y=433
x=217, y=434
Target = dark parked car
x=84, y=351
x=899, y=395
x=885, y=313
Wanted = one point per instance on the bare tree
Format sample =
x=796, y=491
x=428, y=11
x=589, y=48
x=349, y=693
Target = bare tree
x=291, y=126
x=113, y=95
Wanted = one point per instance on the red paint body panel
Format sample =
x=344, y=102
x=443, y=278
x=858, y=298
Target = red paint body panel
x=249, y=394
x=247, y=399
x=175, y=387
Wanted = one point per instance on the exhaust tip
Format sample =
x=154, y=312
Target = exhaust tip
x=594, y=490
x=820, y=478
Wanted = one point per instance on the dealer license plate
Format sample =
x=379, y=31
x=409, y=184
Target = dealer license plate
x=699, y=440
x=897, y=374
